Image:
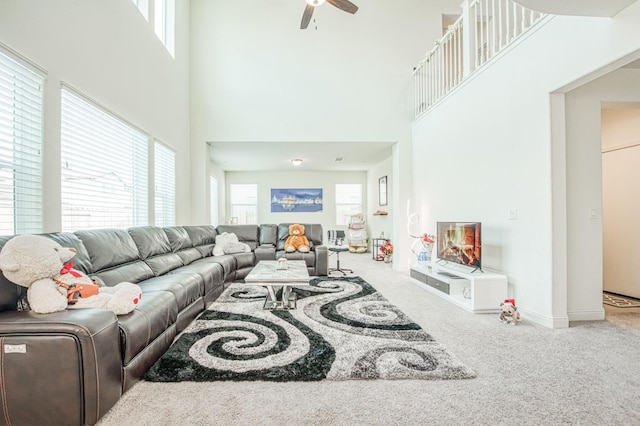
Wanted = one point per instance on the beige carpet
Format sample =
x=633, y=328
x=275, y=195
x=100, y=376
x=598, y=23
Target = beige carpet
x=527, y=374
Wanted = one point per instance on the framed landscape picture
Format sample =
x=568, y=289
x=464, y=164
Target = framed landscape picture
x=296, y=200
x=382, y=191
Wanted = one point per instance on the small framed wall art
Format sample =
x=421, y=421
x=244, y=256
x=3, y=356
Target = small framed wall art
x=382, y=191
x=298, y=200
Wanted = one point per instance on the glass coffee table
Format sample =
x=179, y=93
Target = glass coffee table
x=265, y=274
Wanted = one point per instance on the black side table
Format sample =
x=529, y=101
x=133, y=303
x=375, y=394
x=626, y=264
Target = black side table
x=376, y=244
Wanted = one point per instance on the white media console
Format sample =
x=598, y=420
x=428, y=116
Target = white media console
x=477, y=292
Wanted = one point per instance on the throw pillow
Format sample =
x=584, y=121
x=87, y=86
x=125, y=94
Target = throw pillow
x=222, y=240
x=231, y=248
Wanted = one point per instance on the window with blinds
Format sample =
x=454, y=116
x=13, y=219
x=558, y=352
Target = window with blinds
x=165, y=184
x=243, y=200
x=348, y=201
x=104, y=168
x=21, y=119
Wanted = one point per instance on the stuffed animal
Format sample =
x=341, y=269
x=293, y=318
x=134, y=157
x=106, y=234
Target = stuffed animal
x=38, y=263
x=296, y=239
x=509, y=313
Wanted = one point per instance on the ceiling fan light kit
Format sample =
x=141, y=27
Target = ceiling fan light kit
x=344, y=5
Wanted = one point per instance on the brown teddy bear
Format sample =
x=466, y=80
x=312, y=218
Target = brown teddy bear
x=296, y=239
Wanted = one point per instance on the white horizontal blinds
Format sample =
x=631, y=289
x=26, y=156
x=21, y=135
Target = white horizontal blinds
x=348, y=201
x=104, y=168
x=21, y=118
x=244, y=203
x=165, y=185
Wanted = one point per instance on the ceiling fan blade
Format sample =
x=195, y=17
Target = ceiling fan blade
x=306, y=16
x=345, y=5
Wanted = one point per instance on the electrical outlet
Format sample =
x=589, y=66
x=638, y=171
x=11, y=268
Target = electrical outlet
x=513, y=214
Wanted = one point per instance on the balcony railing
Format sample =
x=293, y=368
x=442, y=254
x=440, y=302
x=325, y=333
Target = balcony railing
x=484, y=29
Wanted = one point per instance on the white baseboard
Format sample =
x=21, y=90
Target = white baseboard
x=591, y=315
x=544, y=320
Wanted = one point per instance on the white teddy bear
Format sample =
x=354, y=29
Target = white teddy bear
x=38, y=263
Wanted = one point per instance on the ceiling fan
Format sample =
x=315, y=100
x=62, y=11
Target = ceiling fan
x=345, y=5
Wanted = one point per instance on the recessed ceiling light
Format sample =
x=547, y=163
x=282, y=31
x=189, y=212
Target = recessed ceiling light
x=296, y=161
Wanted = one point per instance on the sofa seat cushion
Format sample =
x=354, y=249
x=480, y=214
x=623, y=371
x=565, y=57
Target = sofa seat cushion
x=211, y=272
x=164, y=263
x=244, y=260
x=156, y=312
x=189, y=255
x=186, y=288
x=227, y=261
x=309, y=258
x=132, y=272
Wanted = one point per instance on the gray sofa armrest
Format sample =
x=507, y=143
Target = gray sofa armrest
x=265, y=252
x=55, y=356
x=322, y=260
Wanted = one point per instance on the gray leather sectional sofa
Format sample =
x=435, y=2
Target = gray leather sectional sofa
x=71, y=367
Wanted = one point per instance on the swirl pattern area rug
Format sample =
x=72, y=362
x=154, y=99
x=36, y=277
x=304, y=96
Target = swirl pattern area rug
x=342, y=329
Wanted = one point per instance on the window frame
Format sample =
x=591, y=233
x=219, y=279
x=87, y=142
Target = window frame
x=164, y=178
x=164, y=23
x=237, y=219
x=343, y=219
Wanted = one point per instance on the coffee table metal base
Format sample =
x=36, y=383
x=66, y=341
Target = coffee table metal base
x=287, y=300
x=267, y=275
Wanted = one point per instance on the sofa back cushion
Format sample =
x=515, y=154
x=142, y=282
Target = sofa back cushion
x=313, y=232
x=114, y=256
x=203, y=238
x=154, y=248
x=248, y=234
x=181, y=244
x=178, y=238
x=268, y=234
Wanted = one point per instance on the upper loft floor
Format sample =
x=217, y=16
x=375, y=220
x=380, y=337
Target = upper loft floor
x=483, y=30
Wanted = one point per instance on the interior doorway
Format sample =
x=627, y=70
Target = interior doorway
x=620, y=201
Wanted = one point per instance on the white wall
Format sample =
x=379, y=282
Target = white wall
x=107, y=51
x=378, y=224
x=325, y=180
x=494, y=145
x=257, y=77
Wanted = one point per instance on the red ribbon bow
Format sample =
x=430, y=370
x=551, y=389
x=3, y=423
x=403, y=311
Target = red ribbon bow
x=68, y=269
